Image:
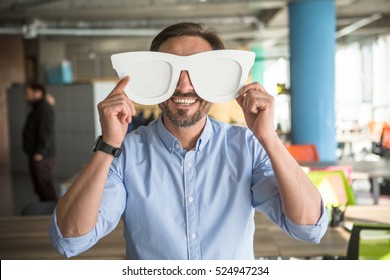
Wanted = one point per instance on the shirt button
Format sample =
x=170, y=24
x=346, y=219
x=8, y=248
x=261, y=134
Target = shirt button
x=190, y=199
x=189, y=164
x=193, y=236
x=177, y=146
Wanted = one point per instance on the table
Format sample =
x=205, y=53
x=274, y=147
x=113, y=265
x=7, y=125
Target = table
x=368, y=214
x=374, y=169
x=335, y=240
x=25, y=237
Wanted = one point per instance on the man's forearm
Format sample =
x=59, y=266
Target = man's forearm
x=77, y=210
x=301, y=200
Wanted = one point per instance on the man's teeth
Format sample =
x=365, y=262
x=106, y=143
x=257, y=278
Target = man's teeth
x=184, y=101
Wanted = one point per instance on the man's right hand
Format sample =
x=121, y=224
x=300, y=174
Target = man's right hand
x=116, y=112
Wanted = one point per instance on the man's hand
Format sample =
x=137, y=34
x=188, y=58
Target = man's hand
x=115, y=113
x=258, y=107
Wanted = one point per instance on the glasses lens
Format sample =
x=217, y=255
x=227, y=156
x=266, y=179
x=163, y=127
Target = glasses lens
x=217, y=77
x=149, y=79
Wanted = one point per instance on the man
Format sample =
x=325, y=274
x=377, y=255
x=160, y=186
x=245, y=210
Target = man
x=186, y=185
x=38, y=142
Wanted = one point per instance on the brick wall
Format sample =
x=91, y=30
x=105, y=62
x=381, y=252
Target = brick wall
x=11, y=71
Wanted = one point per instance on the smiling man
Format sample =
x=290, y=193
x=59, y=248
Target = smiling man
x=187, y=186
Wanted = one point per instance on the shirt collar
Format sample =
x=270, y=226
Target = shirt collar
x=170, y=142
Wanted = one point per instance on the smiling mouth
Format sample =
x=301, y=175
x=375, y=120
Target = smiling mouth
x=184, y=101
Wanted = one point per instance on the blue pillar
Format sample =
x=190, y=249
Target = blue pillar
x=312, y=48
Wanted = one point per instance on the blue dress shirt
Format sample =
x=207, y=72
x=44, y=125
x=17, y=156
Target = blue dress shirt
x=196, y=204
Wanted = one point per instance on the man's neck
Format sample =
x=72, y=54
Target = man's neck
x=36, y=101
x=187, y=136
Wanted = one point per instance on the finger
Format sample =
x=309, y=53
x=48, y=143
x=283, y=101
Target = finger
x=240, y=99
x=122, y=84
x=122, y=113
x=132, y=106
x=242, y=93
x=117, y=107
x=252, y=86
x=120, y=87
x=260, y=102
x=250, y=103
x=122, y=98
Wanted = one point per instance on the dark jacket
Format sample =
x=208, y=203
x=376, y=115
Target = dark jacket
x=38, y=133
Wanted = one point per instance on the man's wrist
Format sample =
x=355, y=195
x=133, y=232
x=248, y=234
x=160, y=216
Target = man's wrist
x=101, y=145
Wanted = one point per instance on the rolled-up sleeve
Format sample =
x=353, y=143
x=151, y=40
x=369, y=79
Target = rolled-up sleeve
x=266, y=199
x=110, y=212
x=70, y=246
x=309, y=233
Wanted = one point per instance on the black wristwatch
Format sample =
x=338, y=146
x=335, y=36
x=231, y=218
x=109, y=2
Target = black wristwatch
x=100, y=145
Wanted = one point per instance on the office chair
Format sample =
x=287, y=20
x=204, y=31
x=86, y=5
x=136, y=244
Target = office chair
x=382, y=148
x=333, y=186
x=385, y=142
x=347, y=169
x=303, y=152
x=369, y=242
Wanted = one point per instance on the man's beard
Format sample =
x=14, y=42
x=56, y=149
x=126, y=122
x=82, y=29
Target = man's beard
x=181, y=118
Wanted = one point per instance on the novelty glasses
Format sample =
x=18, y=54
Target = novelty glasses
x=216, y=76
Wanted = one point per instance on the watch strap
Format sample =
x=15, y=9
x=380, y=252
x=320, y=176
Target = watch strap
x=102, y=146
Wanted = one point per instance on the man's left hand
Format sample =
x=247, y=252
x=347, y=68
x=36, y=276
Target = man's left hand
x=258, y=107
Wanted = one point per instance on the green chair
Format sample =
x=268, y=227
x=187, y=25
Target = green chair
x=369, y=242
x=333, y=186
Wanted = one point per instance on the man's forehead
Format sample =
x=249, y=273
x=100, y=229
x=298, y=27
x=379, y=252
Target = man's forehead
x=185, y=45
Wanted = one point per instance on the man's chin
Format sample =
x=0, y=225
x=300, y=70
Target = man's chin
x=182, y=121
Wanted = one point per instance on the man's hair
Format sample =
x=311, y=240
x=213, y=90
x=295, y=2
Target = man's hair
x=37, y=87
x=188, y=29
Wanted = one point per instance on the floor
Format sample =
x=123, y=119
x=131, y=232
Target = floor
x=23, y=191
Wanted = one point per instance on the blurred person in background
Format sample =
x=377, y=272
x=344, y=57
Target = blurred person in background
x=38, y=141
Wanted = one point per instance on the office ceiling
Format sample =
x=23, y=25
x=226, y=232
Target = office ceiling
x=246, y=22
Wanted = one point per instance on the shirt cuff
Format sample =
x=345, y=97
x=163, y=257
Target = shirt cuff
x=309, y=233
x=68, y=246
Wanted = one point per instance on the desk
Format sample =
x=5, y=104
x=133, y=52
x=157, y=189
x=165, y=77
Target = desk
x=368, y=214
x=335, y=240
x=374, y=169
x=25, y=237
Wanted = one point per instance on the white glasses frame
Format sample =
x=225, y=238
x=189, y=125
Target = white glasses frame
x=122, y=62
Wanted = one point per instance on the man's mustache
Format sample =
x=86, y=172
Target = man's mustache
x=191, y=94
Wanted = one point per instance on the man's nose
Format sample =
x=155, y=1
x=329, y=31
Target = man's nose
x=184, y=84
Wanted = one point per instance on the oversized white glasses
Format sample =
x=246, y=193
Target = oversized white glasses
x=216, y=76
